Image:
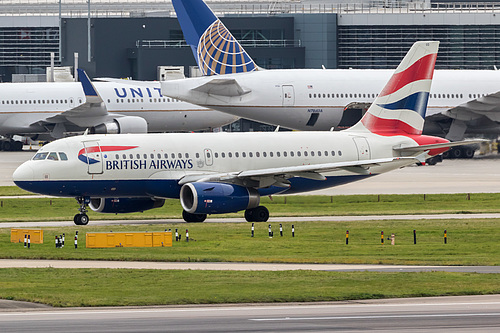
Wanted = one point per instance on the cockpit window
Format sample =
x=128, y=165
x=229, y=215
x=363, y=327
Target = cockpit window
x=40, y=156
x=53, y=157
x=63, y=156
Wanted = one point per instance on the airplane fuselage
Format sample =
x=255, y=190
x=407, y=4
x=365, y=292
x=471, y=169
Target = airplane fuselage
x=35, y=108
x=132, y=165
x=315, y=99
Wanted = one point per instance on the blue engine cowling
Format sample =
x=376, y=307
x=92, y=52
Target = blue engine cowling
x=124, y=205
x=217, y=198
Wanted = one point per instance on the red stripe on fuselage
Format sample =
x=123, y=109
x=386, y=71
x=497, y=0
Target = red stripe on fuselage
x=422, y=69
x=104, y=149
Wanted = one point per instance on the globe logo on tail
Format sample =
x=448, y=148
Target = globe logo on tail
x=220, y=53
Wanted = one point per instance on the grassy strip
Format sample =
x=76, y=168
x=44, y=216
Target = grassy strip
x=470, y=242
x=13, y=190
x=117, y=287
x=60, y=209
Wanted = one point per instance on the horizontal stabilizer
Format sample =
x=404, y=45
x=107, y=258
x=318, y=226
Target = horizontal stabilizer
x=439, y=145
x=222, y=87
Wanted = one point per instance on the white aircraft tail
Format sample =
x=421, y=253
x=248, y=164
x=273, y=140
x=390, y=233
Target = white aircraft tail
x=400, y=108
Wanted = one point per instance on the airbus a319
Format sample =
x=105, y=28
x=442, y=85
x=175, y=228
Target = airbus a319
x=215, y=173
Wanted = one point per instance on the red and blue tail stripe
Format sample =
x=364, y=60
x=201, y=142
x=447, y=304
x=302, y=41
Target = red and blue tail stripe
x=400, y=107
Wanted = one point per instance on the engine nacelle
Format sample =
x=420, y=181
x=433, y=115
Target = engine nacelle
x=124, y=205
x=122, y=125
x=217, y=198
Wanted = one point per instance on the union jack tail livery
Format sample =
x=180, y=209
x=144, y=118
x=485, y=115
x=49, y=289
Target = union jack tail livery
x=400, y=107
x=216, y=51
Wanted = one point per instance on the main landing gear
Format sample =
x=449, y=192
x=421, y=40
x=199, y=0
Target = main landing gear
x=257, y=214
x=82, y=218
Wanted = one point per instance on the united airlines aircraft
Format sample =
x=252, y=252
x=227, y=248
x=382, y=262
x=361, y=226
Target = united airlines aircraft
x=215, y=173
x=50, y=110
x=461, y=101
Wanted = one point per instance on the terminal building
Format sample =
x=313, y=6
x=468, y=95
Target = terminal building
x=133, y=38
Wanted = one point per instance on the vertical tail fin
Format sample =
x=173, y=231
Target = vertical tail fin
x=400, y=108
x=215, y=49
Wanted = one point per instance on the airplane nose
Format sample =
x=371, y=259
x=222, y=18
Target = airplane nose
x=23, y=173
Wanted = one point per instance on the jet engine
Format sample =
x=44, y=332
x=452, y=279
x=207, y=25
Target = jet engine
x=122, y=125
x=124, y=205
x=217, y=198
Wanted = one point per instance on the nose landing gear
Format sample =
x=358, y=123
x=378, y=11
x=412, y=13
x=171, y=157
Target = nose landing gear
x=82, y=218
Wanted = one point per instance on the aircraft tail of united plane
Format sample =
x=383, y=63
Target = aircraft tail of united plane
x=400, y=108
x=215, y=49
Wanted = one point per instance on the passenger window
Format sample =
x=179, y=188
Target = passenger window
x=180, y=155
x=319, y=153
x=270, y=154
x=312, y=153
x=284, y=154
x=216, y=155
x=124, y=156
x=197, y=155
x=305, y=153
x=159, y=155
x=278, y=154
x=131, y=156
x=145, y=156
x=223, y=155
x=187, y=155
x=63, y=156
x=299, y=154
x=326, y=153
x=230, y=155
x=250, y=154
x=40, y=156
x=138, y=156
x=152, y=155
x=173, y=155
x=117, y=156
x=333, y=153
x=257, y=154
x=340, y=153
x=291, y=153
x=244, y=154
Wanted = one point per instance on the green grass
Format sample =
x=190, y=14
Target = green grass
x=63, y=209
x=117, y=287
x=470, y=242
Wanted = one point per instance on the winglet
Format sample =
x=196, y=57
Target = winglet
x=215, y=49
x=88, y=87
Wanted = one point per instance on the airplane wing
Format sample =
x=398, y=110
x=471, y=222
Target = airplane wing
x=279, y=176
x=222, y=87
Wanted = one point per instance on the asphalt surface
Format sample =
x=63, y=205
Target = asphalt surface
x=236, y=266
x=435, y=314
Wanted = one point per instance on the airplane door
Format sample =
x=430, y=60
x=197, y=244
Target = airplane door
x=208, y=157
x=363, y=148
x=288, y=95
x=93, y=157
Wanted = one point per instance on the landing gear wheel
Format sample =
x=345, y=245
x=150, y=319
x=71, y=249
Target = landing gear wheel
x=249, y=215
x=193, y=218
x=468, y=152
x=257, y=214
x=81, y=219
x=457, y=153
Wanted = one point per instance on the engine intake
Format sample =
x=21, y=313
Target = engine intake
x=217, y=198
x=122, y=125
x=124, y=205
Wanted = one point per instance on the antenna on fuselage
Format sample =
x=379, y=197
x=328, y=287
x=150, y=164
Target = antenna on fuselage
x=86, y=132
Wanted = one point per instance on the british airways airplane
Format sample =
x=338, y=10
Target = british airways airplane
x=460, y=102
x=50, y=110
x=215, y=173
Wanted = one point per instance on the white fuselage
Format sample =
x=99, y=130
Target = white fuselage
x=290, y=98
x=135, y=165
x=33, y=108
